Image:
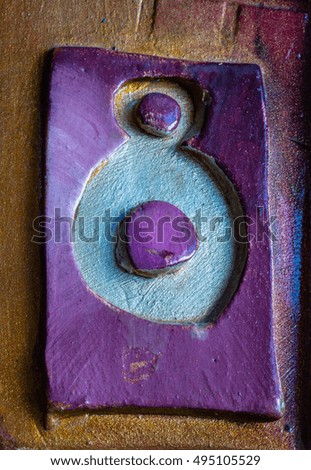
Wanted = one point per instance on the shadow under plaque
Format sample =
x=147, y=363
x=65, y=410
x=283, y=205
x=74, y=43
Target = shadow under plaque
x=130, y=325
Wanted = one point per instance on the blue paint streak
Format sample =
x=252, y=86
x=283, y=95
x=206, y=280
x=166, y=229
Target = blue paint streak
x=297, y=261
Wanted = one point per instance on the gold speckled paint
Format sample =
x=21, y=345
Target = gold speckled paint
x=29, y=29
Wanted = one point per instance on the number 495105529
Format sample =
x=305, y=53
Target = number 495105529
x=227, y=460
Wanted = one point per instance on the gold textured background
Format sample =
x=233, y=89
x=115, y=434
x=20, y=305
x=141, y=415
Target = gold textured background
x=205, y=30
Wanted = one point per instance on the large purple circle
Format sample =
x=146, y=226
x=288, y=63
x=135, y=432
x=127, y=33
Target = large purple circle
x=160, y=238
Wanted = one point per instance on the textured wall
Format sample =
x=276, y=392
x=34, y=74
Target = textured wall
x=196, y=30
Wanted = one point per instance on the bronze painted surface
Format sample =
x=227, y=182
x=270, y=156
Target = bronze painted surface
x=214, y=32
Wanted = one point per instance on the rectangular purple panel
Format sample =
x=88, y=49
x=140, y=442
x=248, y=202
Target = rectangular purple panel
x=91, y=346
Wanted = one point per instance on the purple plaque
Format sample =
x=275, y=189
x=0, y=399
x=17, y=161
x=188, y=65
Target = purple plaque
x=99, y=354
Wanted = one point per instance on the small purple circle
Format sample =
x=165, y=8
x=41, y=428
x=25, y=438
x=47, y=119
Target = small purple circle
x=158, y=114
x=158, y=238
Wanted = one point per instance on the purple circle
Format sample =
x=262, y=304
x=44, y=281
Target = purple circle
x=159, y=238
x=158, y=114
